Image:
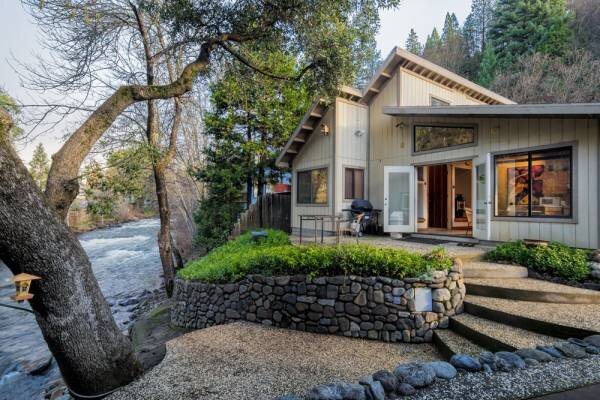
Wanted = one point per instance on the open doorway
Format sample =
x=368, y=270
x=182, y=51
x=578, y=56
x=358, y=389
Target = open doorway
x=444, y=198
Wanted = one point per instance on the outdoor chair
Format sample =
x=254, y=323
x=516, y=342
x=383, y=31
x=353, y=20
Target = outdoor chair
x=469, y=215
x=353, y=228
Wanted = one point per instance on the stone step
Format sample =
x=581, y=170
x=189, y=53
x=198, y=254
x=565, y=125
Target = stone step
x=488, y=270
x=528, y=289
x=450, y=343
x=496, y=336
x=555, y=319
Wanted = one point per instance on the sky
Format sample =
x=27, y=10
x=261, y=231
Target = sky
x=18, y=40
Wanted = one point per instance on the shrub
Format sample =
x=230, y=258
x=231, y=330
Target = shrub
x=556, y=259
x=274, y=255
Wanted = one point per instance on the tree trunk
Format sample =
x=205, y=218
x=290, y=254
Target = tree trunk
x=93, y=355
x=165, y=248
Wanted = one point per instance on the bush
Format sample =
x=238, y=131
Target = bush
x=274, y=255
x=556, y=259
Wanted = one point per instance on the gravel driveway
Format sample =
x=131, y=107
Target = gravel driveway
x=248, y=361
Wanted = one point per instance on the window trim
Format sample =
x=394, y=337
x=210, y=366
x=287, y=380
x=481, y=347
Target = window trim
x=296, y=185
x=432, y=97
x=347, y=167
x=413, y=128
x=573, y=219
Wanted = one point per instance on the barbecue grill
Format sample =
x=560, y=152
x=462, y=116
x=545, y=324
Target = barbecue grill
x=362, y=207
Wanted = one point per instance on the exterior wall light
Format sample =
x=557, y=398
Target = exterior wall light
x=22, y=284
x=324, y=130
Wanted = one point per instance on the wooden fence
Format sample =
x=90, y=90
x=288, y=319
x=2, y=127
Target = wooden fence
x=271, y=210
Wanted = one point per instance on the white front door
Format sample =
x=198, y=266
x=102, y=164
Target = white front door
x=399, y=199
x=482, y=189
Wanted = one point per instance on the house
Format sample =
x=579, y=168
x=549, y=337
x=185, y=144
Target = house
x=437, y=153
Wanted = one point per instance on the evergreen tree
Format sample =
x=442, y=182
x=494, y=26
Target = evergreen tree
x=251, y=118
x=39, y=166
x=478, y=24
x=488, y=67
x=432, y=44
x=523, y=27
x=412, y=43
x=451, y=27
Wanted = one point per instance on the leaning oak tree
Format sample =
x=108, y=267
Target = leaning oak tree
x=93, y=356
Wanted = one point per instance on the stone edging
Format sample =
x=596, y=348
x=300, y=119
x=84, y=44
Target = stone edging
x=378, y=308
x=407, y=378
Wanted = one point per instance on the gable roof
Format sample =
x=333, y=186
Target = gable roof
x=419, y=65
x=397, y=57
x=309, y=123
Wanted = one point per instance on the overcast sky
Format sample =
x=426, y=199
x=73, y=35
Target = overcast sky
x=18, y=39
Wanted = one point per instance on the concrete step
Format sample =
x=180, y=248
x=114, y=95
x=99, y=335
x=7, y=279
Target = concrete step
x=496, y=336
x=555, y=319
x=450, y=343
x=531, y=290
x=488, y=270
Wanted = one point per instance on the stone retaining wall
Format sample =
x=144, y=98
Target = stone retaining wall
x=377, y=308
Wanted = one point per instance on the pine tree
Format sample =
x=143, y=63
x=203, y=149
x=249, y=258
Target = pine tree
x=523, y=27
x=39, y=166
x=479, y=20
x=488, y=67
x=433, y=42
x=412, y=43
x=451, y=27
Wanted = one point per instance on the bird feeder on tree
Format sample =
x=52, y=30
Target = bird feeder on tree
x=22, y=284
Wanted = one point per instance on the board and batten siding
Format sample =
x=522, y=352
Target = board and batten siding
x=387, y=141
x=393, y=146
x=417, y=91
x=351, y=148
x=317, y=152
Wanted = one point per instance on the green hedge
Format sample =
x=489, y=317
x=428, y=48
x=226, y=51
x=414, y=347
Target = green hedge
x=274, y=255
x=556, y=259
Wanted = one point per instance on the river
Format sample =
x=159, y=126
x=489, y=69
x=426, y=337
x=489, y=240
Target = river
x=126, y=263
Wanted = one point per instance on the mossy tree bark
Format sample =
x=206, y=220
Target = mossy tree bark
x=75, y=319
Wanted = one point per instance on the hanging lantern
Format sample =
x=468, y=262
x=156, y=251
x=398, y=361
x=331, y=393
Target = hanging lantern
x=22, y=284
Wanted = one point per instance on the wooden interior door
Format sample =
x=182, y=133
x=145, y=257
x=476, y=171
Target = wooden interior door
x=437, y=190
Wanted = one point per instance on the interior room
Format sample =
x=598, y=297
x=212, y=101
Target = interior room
x=444, y=198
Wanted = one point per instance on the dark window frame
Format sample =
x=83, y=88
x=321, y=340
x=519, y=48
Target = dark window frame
x=310, y=171
x=529, y=153
x=353, y=186
x=474, y=143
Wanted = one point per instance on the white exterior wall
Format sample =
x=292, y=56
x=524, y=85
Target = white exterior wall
x=316, y=153
x=386, y=143
x=394, y=147
x=417, y=91
x=351, y=149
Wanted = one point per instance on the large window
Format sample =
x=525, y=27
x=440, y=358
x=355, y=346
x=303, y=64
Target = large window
x=312, y=186
x=432, y=137
x=354, y=180
x=534, y=184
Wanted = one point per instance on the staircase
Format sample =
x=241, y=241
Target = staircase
x=504, y=310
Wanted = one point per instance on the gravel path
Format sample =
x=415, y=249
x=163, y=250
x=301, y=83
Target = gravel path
x=248, y=361
x=585, y=316
x=512, y=336
x=522, y=384
x=533, y=284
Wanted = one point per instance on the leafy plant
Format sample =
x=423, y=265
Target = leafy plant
x=274, y=255
x=556, y=259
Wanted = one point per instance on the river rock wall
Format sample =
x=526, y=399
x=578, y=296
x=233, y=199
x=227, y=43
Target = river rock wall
x=378, y=308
